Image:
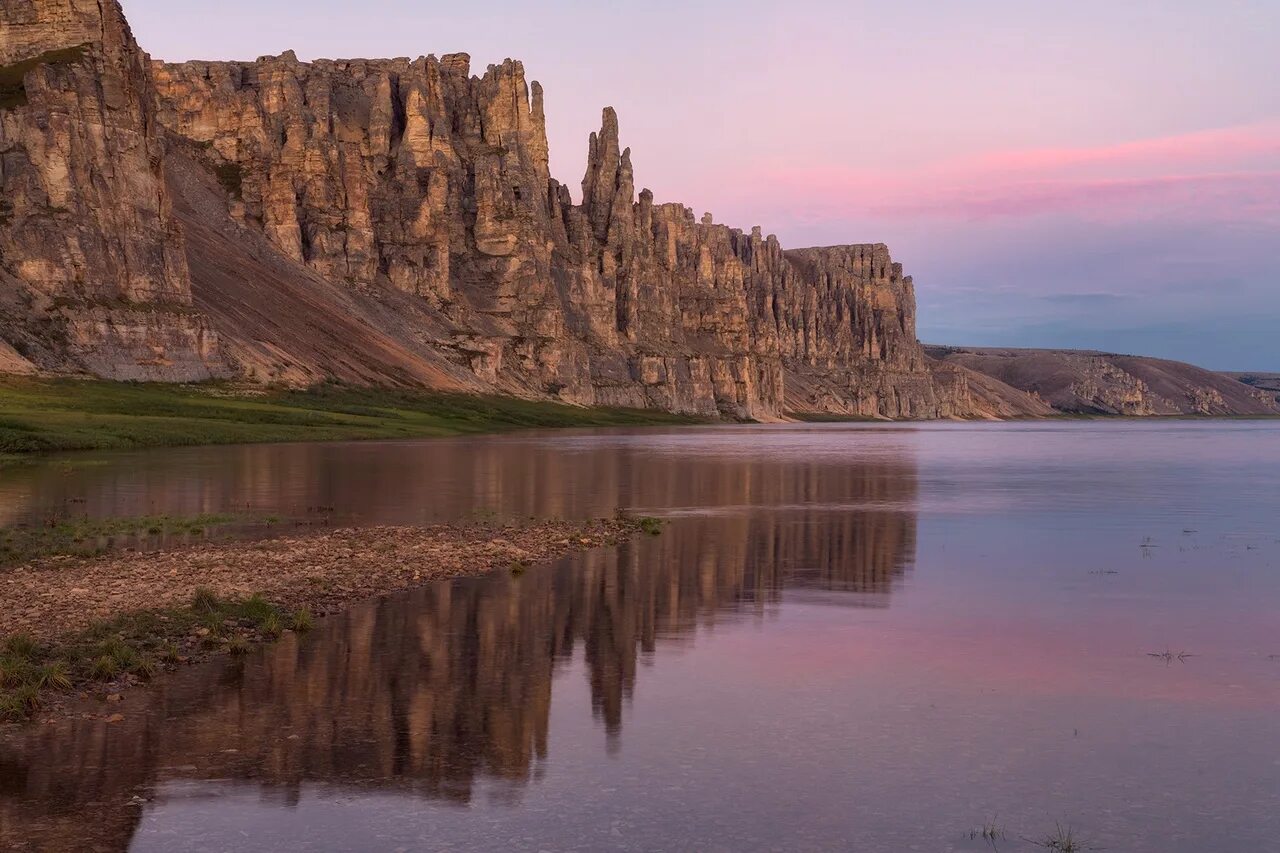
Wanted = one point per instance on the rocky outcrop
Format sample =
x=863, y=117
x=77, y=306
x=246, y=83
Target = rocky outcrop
x=416, y=176
x=1085, y=382
x=93, y=273
x=395, y=221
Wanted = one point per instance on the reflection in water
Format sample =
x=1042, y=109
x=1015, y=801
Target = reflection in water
x=575, y=476
x=849, y=637
x=431, y=691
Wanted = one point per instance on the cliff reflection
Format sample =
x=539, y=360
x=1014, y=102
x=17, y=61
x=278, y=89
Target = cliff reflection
x=437, y=690
x=445, y=479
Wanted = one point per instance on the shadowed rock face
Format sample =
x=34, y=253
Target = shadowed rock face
x=395, y=221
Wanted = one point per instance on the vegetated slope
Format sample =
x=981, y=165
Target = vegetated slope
x=394, y=222
x=1267, y=383
x=1088, y=382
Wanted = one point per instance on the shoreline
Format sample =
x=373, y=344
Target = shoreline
x=39, y=416
x=80, y=627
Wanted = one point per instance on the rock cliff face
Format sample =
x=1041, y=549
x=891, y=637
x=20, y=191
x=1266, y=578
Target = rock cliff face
x=399, y=219
x=93, y=274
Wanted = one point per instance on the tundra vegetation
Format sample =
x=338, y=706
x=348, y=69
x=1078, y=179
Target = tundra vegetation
x=71, y=414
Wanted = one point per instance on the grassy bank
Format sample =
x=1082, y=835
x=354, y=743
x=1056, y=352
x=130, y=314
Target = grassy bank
x=133, y=647
x=40, y=415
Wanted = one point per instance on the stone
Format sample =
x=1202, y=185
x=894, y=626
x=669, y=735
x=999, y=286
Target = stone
x=394, y=221
x=93, y=273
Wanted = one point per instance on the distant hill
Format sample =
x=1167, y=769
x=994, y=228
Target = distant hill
x=1090, y=382
x=1266, y=382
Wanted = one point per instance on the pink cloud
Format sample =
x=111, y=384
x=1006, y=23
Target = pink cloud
x=1231, y=174
x=1219, y=147
x=1253, y=196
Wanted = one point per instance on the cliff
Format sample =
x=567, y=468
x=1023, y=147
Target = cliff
x=1087, y=382
x=93, y=275
x=395, y=222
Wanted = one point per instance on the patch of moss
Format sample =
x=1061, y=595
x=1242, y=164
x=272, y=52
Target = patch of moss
x=86, y=536
x=651, y=525
x=133, y=647
x=13, y=91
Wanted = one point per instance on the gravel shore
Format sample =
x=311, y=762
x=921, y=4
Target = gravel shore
x=56, y=597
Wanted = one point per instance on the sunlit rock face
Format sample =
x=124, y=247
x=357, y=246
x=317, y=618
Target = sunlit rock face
x=93, y=274
x=396, y=221
x=415, y=175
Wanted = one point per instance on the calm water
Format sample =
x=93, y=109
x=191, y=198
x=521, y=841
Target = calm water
x=850, y=637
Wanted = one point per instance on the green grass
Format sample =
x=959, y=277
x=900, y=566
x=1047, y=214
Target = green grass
x=133, y=647
x=651, y=525
x=64, y=414
x=86, y=535
x=302, y=621
x=13, y=92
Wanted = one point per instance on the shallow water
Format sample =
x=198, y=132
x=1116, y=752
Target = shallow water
x=849, y=637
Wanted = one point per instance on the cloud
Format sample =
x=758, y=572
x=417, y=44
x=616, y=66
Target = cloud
x=1227, y=175
x=1252, y=197
x=1093, y=247
x=1231, y=145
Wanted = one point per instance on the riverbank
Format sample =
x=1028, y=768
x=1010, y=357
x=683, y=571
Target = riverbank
x=43, y=415
x=75, y=627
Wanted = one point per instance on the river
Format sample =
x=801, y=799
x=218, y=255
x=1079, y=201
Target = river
x=849, y=636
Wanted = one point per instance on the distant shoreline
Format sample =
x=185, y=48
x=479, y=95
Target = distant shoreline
x=41, y=416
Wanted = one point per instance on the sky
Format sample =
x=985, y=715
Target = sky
x=1089, y=174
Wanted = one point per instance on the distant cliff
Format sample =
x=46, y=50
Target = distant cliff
x=1087, y=382
x=395, y=222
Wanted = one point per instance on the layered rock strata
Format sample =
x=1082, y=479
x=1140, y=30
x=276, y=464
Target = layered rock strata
x=395, y=221
x=93, y=272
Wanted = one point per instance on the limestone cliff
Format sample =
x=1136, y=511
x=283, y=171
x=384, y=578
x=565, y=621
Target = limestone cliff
x=93, y=274
x=395, y=221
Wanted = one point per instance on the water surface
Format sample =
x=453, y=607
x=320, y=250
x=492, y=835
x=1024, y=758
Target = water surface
x=849, y=637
